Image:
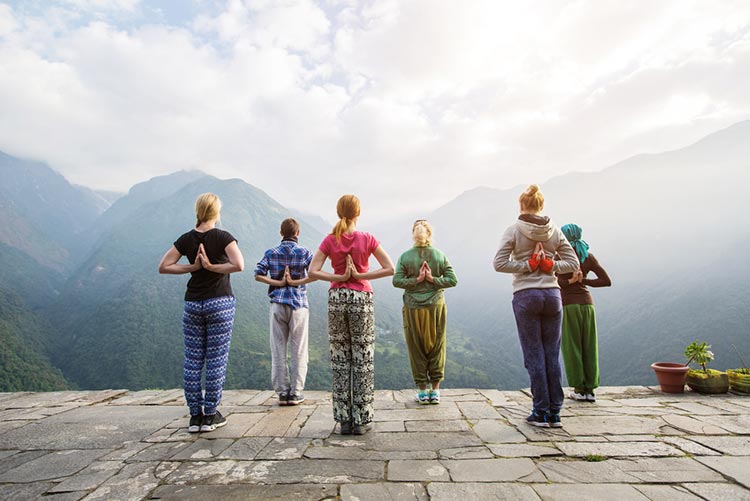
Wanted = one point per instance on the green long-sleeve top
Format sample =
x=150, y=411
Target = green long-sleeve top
x=419, y=295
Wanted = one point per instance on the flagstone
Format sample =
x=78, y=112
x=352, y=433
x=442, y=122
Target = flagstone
x=735, y=467
x=245, y=448
x=732, y=445
x=423, y=412
x=274, y=424
x=417, y=471
x=54, y=465
x=475, y=452
x=284, y=448
x=401, y=491
x=134, y=481
x=666, y=493
x=300, y=492
x=320, y=424
x=525, y=450
x=618, y=449
x=446, y=425
x=388, y=426
x=442, y=491
x=576, y=492
x=694, y=425
x=203, y=449
x=494, y=431
x=720, y=492
x=689, y=446
x=238, y=425
x=90, y=477
x=612, y=425
x=739, y=423
x=478, y=410
x=489, y=470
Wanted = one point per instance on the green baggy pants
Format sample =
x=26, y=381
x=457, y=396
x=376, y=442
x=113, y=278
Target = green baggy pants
x=580, y=347
x=424, y=330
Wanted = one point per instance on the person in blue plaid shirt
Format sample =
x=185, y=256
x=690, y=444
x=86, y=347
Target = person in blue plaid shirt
x=287, y=266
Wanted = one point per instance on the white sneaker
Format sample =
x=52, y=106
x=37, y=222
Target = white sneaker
x=581, y=397
x=590, y=397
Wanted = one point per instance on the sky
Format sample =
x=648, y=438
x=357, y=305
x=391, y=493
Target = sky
x=405, y=103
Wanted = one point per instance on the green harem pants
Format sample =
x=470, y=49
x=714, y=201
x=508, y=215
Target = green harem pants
x=424, y=330
x=580, y=347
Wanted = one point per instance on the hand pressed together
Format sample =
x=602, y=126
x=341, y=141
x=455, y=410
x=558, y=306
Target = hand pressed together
x=539, y=260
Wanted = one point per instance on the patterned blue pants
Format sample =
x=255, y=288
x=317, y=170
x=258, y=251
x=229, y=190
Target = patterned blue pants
x=207, y=326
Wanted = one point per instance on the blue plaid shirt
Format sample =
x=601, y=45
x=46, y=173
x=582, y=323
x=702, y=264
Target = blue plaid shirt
x=298, y=258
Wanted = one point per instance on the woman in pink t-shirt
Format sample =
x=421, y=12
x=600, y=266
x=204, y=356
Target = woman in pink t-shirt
x=351, y=317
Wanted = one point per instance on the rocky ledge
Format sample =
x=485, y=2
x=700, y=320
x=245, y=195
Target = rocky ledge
x=632, y=443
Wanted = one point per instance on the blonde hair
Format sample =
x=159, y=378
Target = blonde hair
x=532, y=199
x=207, y=208
x=421, y=233
x=347, y=209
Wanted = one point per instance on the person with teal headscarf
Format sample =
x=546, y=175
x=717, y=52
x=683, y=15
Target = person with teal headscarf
x=579, y=345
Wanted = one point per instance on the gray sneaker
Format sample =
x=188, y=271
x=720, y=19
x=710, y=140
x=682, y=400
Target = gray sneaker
x=296, y=399
x=284, y=398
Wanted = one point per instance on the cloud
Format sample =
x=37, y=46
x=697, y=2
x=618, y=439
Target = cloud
x=405, y=103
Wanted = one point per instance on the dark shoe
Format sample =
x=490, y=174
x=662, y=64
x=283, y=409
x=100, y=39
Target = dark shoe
x=554, y=420
x=283, y=398
x=536, y=419
x=346, y=427
x=296, y=399
x=360, y=429
x=210, y=423
x=195, y=423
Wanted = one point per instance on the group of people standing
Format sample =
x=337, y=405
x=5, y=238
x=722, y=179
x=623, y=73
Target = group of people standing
x=543, y=258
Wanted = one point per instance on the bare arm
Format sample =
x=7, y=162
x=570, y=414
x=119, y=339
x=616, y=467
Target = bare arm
x=602, y=279
x=386, y=266
x=236, y=261
x=317, y=273
x=169, y=263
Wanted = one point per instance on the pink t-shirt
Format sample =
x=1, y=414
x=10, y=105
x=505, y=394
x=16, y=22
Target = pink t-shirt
x=360, y=245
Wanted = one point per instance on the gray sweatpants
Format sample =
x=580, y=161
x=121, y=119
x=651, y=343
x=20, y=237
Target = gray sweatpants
x=288, y=326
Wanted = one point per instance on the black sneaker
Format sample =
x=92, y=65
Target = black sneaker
x=554, y=420
x=283, y=398
x=210, y=423
x=195, y=423
x=360, y=429
x=296, y=398
x=539, y=420
x=346, y=427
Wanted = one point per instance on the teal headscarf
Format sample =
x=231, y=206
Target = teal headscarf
x=573, y=233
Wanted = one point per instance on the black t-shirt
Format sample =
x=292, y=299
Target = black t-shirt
x=204, y=284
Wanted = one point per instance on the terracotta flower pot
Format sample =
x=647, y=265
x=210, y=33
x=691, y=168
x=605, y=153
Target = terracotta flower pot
x=671, y=376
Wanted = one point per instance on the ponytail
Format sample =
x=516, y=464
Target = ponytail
x=347, y=209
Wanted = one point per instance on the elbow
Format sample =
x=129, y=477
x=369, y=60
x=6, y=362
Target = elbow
x=162, y=269
x=240, y=266
x=389, y=271
x=315, y=275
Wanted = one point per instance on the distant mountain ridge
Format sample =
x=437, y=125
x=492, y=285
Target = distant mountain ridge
x=668, y=228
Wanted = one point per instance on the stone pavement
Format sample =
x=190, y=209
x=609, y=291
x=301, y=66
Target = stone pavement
x=633, y=443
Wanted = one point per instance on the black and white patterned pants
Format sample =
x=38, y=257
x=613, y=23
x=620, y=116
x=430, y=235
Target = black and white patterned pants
x=351, y=338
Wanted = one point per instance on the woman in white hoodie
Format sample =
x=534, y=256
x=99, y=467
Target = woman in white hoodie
x=526, y=250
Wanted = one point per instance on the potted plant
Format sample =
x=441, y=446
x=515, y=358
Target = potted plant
x=739, y=379
x=671, y=376
x=704, y=380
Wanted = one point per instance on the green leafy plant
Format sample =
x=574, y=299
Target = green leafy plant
x=699, y=352
x=593, y=458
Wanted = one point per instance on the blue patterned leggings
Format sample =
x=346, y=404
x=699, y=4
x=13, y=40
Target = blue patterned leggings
x=207, y=326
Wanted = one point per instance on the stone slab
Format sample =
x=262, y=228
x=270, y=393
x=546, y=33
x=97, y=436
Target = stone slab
x=735, y=467
x=423, y=412
x=275, y=424
x=731, y=445
x=319, y=471
x=237, y=397
x=202, y=449
x=22, y=492
x=417, y=471
x=693, y=425
x=494, y=431
x=355, y=451
x=95, y=427
x=478, y=410
x=476, y=452
x=54, y=465
x=576, y=492
x=524, y=450
x=618, y=449
x=720, y=492
x=661, y=470
x=18, y=459
x=245, y=448
x=667, y=493
x=237, y=425
x=689, y=446
x=418, y=441
x=496, y=397
x=320, y=424
x=613, y=425
x=90, y=477
x=388, y=426
x=447, y=425
x=301, y=492
x=134, y=481
x=536, y=434
x=489, y=470
x=284, y=448
x=383, y=492
x=739, y=423
x=159, y=452
x=480, y=491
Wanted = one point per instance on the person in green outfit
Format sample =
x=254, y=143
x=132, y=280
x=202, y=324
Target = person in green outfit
x=423, y=272
x=579, y=340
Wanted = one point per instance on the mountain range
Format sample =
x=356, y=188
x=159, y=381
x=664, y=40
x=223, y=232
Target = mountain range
x=82, y=306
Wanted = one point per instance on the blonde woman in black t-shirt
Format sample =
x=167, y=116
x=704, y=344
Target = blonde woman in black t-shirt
x=207, y=321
